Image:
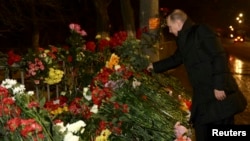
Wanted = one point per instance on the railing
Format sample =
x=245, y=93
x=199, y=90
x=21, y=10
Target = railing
x=15, y=72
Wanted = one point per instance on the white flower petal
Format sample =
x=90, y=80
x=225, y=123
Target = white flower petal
x=86, y=95
x=70, y=137
x=94, y=109
x=117, y=67
x=30, y=93
x=76, y=126
x=56, y=101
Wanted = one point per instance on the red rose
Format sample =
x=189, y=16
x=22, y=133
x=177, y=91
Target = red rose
x=13, y=58
x=91, y=46
x=103, y=44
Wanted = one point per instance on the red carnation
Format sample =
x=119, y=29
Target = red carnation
x=91, y=46
x=14, y=123
x=103, y=44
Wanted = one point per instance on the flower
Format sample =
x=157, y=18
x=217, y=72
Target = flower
x=55, y=76
x=107, y=94
x=94, y=109
x=76, y=127
x=114, y=60
x=136, y=83
x=180, y=132
x=20, y=115
x=71, y=137
x=39, y=65
x=86, y=93
x=104, y=135
x=15, y=87
x=118, y=38
x=71, y=130
x=13, y=58
x=91, y=46
x=77, y=28
x=185, y=105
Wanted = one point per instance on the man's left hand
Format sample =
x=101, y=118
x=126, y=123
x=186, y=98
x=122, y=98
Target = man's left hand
x=219, y=94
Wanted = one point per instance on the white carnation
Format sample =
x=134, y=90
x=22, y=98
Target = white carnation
x=94, y=109
x=70, y=137
x=86, y=95
x=75, y=127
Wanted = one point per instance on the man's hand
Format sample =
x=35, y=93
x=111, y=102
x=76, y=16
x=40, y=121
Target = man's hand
x=150, y=67
x=219, y=94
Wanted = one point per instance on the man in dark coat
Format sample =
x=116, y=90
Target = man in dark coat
x=216, y=97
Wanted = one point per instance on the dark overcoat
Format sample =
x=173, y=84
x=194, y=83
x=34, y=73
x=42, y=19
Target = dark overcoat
x=205, y=60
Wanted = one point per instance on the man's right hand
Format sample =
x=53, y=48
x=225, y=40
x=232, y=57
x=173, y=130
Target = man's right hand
x=150, y=67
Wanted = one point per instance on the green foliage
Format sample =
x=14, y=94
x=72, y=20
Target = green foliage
x=131, y=53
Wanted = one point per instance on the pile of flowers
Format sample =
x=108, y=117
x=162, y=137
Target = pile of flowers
x=19, y=116
x=109, y=94
x=44, y=65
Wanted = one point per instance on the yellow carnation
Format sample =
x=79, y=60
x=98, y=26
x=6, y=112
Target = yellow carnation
x=55, y=76
x=113, y=61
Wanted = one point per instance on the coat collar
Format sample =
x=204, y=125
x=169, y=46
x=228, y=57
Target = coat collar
x=182, y=41
x=186, y=27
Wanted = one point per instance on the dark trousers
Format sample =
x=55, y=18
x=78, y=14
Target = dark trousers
x=201, y=131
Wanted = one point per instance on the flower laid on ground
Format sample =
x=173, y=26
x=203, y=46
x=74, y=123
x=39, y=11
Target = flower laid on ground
x=71, y=130
x=114, y=60
x=57, y=106
x=109, y=95
x=103, y=136
x=181, y=132
x=13, y=86
x=19, y=117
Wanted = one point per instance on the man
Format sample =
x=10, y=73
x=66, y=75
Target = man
x=216, y=97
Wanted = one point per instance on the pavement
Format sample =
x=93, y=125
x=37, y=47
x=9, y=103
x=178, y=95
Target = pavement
x=241, y=72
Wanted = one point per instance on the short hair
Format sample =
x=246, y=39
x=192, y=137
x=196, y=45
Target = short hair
x=178, y=14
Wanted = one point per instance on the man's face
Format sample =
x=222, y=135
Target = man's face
x=174, y=26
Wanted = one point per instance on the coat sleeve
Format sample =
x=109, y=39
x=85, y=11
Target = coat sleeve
x=168, y=63
x=213, y=48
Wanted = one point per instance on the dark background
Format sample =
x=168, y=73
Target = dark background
x=55, y=18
